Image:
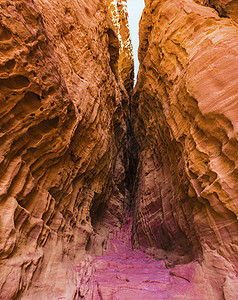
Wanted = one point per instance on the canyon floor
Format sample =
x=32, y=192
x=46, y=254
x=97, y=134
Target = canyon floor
x=126, y=274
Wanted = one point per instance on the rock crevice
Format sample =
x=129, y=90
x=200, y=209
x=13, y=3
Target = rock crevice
x=88, y=166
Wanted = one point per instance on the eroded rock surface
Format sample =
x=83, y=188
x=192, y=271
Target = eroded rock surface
x=62, y=136
x=185, y=115
x=83, y=173
x=225, y=8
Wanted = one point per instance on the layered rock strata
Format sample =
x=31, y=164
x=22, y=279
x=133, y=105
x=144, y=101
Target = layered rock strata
x=185, y=116
x=71, y=160
x=119, y=15
x=62, y=142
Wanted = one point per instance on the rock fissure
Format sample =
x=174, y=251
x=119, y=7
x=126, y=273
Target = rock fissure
x=110, y=192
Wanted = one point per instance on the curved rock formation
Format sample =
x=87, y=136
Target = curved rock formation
x=225, y=8
x=185, y=116
x=62, y=135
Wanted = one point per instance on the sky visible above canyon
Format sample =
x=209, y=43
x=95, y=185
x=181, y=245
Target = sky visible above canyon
x=135, y=8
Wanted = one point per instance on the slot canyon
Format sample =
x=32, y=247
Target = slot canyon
x=110, y=191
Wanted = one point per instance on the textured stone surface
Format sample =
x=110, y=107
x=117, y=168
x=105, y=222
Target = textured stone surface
x=62, y=112
x=185, y=113
x=119, y=15
x=225, y=8
x=72, y=165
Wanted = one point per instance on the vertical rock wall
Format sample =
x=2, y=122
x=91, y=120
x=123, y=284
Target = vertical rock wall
x=185, y=116
x=62, y=137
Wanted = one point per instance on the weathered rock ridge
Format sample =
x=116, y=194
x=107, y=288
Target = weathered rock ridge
x=87, y=170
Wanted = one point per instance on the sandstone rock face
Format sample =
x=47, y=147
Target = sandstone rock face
x=84, y=173
x=62, y=142
x=119, y=15
x=185, y=113
x=225, y=8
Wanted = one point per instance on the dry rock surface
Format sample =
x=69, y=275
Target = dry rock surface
x=63, y=111
x=185, y=112
x=107, y=196
x=225, y=8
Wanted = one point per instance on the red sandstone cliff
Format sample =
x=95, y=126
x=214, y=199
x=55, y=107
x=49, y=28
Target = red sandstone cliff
x=225, y=8
x=185, y=114
x=62, y=114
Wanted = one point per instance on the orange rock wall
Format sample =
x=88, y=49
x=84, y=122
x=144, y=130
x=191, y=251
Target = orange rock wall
x=185, y=115
x=62, y=136
x=119, y=15
x=225, y=8
x=69, y=155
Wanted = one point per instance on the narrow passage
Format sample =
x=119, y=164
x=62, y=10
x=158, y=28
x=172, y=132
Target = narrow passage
x=126, y=274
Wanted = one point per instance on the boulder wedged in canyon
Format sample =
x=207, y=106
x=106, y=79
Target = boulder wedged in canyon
x=184, y=111
x=63, y=111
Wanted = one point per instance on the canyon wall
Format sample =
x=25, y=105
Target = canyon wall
x=62, y=142
x=77, y=155
x=184, y=111
x=225, y=8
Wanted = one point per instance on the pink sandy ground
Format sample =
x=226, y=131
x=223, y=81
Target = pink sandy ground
x=126, y=274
